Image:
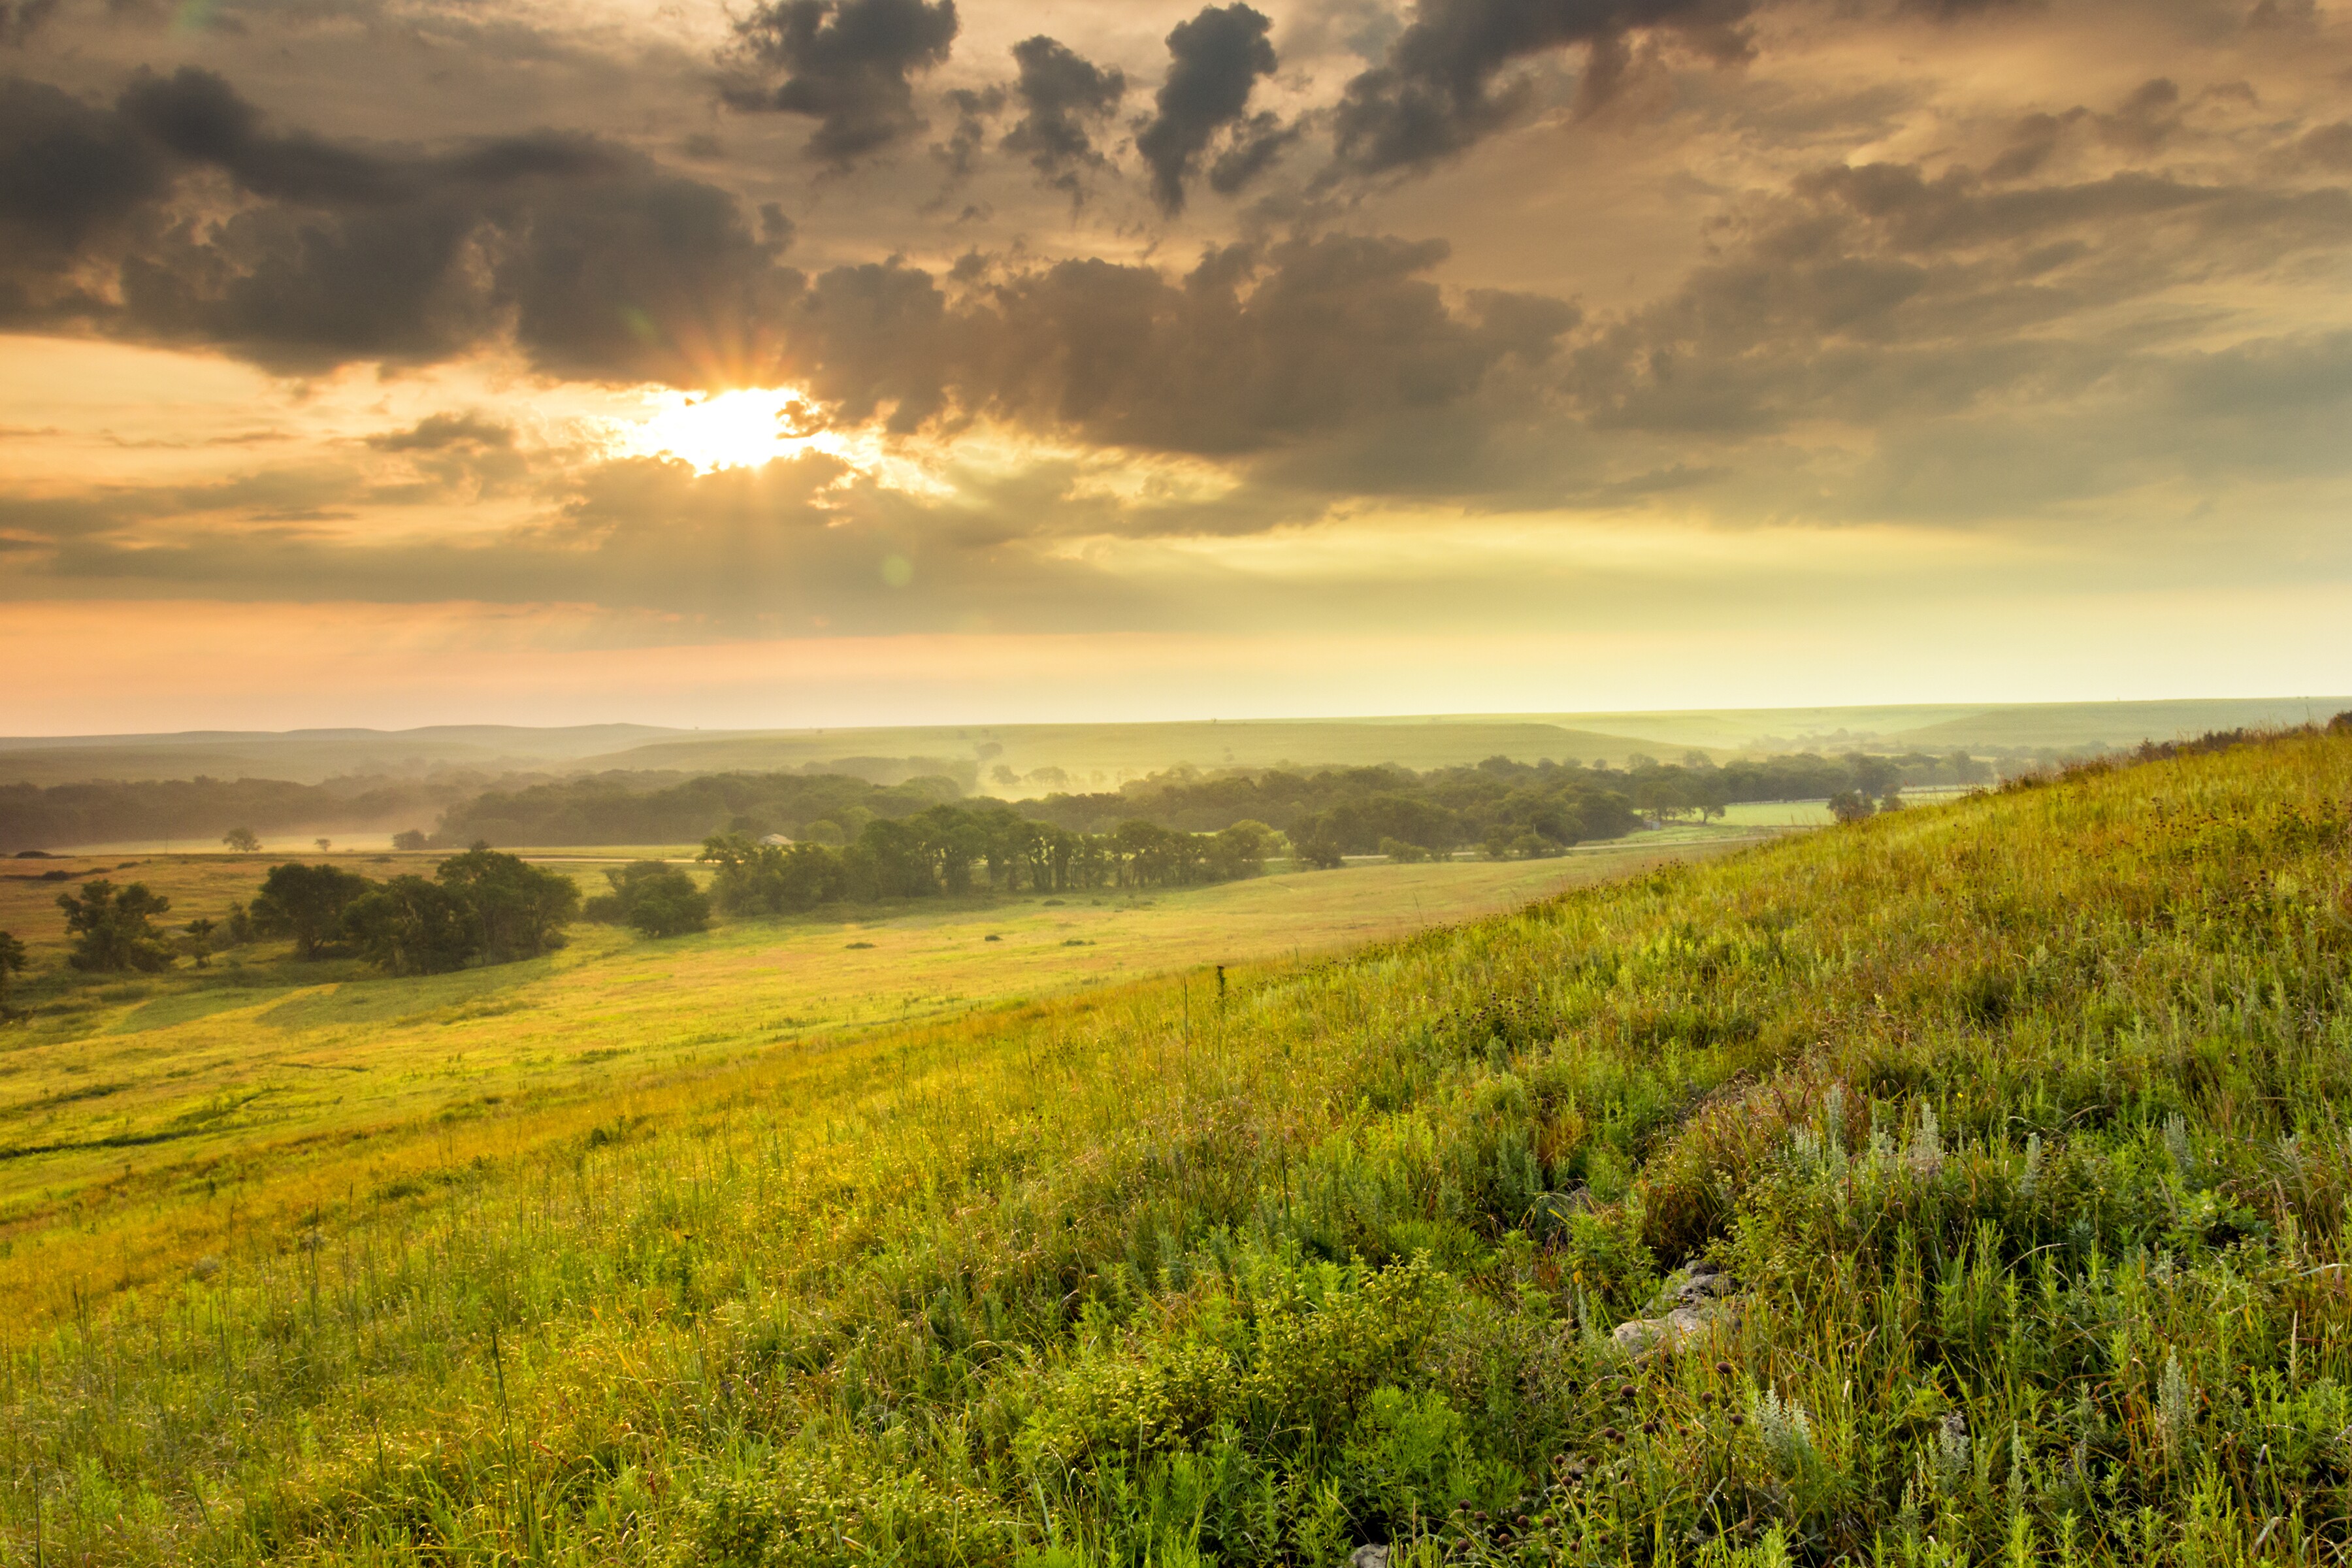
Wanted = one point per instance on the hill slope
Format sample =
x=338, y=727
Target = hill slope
x=2012, y=1132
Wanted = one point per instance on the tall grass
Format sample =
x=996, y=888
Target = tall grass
x=2022, y=1123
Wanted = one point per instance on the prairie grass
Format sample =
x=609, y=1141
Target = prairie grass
x=2022, y=1123
x=142, y=1117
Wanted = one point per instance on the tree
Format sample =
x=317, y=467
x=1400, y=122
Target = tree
x=306, y=903
x=411, y=925
x=1241, y=850
x=1849, y=805
x=519, y=909
x=12, y=963
x=324, y=844
x=200, y=940
x=657, y=898
x=409, y=841
x=241, y=839
x=115, y=931
x=1317, y=853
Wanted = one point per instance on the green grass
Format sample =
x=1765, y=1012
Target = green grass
x=2021, y=1122
x=282, y=1085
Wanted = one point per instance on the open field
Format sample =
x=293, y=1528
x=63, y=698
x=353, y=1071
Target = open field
x=249, y=1083
x=2017, y=1129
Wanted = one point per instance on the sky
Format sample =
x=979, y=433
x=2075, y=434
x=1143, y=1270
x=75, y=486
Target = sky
x=786, y=363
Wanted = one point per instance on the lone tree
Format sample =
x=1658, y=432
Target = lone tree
x=12, y=963
x=200, y=940
x=115, y=931
x=1851, y=805
x=242, y=840
x=409, y=840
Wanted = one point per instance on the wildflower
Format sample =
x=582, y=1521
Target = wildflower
x=1926, y=1152
x=1952, y=1449
x=2175, y=1404
x=1786, y=1430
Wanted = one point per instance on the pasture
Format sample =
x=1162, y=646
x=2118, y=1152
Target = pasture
x=267, y=1085
x=2010, y=1137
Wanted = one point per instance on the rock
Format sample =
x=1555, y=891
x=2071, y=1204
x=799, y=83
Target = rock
x=1682, y=1313
x=1370, y=1557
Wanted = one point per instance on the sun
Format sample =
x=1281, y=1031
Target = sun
x=740, y=430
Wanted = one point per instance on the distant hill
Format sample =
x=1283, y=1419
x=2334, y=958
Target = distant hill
x=1014, y=760
x=2104, y=724
x=310, y=756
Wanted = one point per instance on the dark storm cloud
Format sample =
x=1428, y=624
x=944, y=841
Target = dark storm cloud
x=1216, y=61
x=69, y=174
x=599, y=263
x=974, y=106
x=1257, y=349
x=1436, y=93
x=1064, y=97
x=1256, y=144
x=847, y=64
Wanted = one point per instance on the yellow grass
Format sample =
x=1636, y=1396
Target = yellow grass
x=264, y=1089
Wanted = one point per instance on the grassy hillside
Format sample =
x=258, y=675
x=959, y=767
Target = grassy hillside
x=267, y=1084
x=2019, y=1125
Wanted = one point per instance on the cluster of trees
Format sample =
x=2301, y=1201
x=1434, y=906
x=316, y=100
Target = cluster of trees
x=954, y=850
x=478, y=907
x=828, y=808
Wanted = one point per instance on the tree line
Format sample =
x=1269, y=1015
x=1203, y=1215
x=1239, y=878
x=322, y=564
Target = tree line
x=1495, y=805
x=1503, y=807
x=200, y=809
x=951, y=850
x=831, y=809
x=1509, y=809
x=479, y=907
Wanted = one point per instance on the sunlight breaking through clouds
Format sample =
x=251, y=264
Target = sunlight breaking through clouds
x=738, y=429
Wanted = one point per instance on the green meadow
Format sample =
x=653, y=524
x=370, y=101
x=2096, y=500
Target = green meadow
x=145, y=1121
x=2010, y=1137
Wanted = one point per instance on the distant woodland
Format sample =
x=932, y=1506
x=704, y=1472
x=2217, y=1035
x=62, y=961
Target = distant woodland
x=1496, y=804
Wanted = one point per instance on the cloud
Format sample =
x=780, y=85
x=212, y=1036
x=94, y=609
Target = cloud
x=1436, y=94
x=1063, y=93
x=847, y=64
x=1216, y=60
x=70, y=176
x=20, y=19
x=600, y=264
x=1256, y=348
x=440, y=432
